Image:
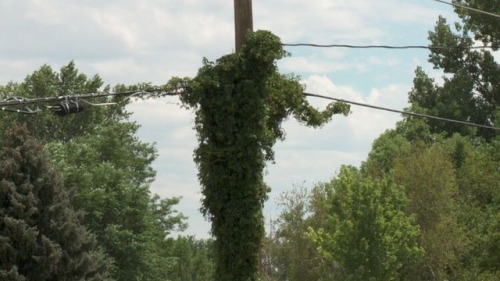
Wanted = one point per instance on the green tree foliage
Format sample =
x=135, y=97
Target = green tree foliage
x=110, y=170
x=192, y=259
x=479, y=189
x=369, y=236
x=471, y=85
x=45, y=82
x=288, y=252
x=240, y=102
x=428, y=176
x=482, y=26
x=113, y=190
x=453, y=181
x=385, y=149
x=450, y=171
x=41, y=237
x=453, y=189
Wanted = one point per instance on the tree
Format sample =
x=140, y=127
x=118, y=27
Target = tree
x=452, y=188
x=452, y=182
x=113, y=190
x=385, y=149
x=68, y=81
x=482, y=26
x=428, y=176
x=41, y=236
x=449, y=170
x=240, y=102
x=369, y=236
x=99, y=155
x=193, y=259
x=288, y=252
x=471, y=85
x=479, y=198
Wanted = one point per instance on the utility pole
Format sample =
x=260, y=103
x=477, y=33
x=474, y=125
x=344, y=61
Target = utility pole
x=243, y=21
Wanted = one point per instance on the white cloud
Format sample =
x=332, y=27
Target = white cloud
x=312, y=65
x=152, y=40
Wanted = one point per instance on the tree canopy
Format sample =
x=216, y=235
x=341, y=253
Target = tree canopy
x=41, y=235
x=109, y=170
x=436, y=182
x=423, y=206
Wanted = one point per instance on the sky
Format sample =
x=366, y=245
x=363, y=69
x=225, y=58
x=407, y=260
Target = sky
x=133, y=41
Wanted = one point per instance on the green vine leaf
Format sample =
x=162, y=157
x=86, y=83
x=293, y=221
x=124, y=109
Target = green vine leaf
x=240, y=102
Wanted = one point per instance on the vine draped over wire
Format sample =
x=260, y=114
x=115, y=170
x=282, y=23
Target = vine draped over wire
x=240, y=102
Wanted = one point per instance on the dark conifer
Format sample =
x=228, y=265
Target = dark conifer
x=41, y=237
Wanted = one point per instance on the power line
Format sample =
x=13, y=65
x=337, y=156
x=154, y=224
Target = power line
x=383, y=46
x=72, y=103
x=468, y=8
x=429, y=47
x=403, y=112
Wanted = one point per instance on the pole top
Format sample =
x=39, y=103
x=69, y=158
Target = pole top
x=243, y=21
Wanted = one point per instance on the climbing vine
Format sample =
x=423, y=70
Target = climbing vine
x=240, y=102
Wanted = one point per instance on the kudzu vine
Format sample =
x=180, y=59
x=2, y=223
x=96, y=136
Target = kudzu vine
x=240, y=102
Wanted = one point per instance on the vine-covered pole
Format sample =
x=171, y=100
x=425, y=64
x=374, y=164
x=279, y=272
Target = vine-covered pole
x=241, y=101
x=243, y=21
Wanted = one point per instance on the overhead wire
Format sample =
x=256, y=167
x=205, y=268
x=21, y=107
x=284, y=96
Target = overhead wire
x=403, y=112
x=156, y=92
x=468, y=8
x=18, y=101
x=430, y=47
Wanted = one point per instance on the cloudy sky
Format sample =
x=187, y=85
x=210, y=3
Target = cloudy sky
x=131, y=41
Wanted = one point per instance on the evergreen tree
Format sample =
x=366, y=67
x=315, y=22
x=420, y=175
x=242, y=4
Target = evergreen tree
x=113, y=191
x=99, y=155
x=41, y=237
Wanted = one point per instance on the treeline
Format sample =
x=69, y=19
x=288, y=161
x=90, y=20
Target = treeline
x=74, y=194
x=425, y=205
x=75, y=201
x=413, y=211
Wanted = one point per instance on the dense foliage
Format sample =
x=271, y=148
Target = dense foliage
x=351, y=228
x=288, y=248
x=113, y=190
x=109, y=171
x=368, y=235
x=470, y=91
x=41, y=236
x=191, y=259
x=240, y=102
x=454, y=168
x=46, y=82
x=425, y=205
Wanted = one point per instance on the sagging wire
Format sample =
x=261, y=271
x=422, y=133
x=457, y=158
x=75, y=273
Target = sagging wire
x=403, y=112
x=469, y=8
x=99, y=104
x=430, y=47
x=74, y=104
x=23, y=104
x=71, y=104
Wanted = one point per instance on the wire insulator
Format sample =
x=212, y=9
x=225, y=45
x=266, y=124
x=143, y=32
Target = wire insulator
x=65, y=108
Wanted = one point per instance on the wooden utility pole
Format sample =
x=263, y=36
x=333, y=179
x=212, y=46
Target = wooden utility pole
x=243, y=21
